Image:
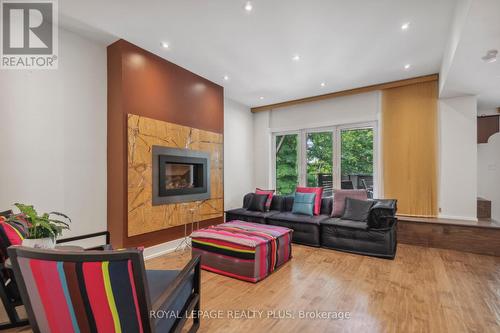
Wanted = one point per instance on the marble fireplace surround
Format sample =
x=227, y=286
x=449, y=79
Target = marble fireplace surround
x=142, y=134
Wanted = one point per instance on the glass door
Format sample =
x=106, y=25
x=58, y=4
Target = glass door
x=287, y=163
x=356, y=160
x=319, y=161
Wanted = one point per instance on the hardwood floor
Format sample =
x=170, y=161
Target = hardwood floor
x=422, y=290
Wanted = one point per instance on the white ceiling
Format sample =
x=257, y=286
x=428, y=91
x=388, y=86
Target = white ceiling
x=469, y=74
x=346, y=44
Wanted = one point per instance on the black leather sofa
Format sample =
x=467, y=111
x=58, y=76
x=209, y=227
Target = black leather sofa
x=375, y=237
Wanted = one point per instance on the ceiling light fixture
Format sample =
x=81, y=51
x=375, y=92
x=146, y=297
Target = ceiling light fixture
x=226, y=77
x=164, y=45
x=248, y=6
x=407, y=67
x=261, y=98
x=296, y=57
x=322, y=84
x=405, y=26
x=491, y=56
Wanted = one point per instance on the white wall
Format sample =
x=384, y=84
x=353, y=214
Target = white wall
x=262, y=150
x=462, y=8
x=53, y=135
x=458, y=157
x=336, y=111
x=238, y=153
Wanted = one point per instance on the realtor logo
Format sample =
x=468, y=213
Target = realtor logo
x=29, y=34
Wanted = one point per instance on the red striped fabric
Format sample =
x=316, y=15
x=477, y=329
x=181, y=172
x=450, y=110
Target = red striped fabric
x=52, y=296
x=219, y=271
x=286, y=238
x=216, y=231
x=223, y=243
x=134, y=292
x=94, y=284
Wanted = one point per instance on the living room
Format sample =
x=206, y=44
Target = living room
x=250, y=165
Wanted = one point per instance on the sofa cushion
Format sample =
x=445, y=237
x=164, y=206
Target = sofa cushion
x=298, y=218
x=337, y=222
x=258, y=203
x=303, y=233
x=287, y=203
x=12, y=231
x=6, y=213
x=357, y=210
x=277, y=203
x=317, y=199
x=339, y=199
x=270, y=194
x=326, y=206
x=303, y=203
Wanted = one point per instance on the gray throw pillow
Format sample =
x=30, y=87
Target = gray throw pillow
x=258, y=203
x=357, y=210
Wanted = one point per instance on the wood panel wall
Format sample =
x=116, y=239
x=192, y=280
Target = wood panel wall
x=410, y=148
x=143, y=84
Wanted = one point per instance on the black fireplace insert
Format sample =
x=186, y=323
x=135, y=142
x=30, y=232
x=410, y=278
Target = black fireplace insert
x=180, y=175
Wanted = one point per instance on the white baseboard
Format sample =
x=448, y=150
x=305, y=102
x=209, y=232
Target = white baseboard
x=451, y=217
x=163, y=248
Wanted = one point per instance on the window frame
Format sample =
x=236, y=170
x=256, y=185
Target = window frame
x=337, y=151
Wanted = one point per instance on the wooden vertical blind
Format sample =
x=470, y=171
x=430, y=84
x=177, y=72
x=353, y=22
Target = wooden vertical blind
x=409, y=147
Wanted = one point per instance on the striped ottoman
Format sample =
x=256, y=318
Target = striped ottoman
x=242, y=250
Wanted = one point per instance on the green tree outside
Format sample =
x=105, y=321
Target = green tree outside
x=357, y=152
x=287, y=172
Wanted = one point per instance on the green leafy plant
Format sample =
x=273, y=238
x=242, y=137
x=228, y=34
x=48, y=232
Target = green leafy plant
x=47, y=225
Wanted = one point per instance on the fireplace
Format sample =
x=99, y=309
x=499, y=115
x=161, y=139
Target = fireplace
x=180, y=175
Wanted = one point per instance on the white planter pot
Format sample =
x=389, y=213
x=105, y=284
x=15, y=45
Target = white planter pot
x=40, y=243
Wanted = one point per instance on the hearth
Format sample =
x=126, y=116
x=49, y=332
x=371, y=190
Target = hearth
x=180, y=175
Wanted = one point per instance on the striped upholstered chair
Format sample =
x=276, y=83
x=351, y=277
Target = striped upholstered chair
x=104, y=291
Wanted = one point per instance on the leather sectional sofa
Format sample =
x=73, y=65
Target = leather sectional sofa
x=375, y=237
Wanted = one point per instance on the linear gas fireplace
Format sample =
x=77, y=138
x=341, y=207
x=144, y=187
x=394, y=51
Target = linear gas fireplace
x=180, y=175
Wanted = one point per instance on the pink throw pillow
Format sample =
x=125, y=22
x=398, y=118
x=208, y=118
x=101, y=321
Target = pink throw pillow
x=317, y=198
x=269, y=193
x=339, y=199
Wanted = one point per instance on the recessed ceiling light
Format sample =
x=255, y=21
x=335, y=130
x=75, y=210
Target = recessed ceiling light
x=405, y=26
x=407, y=67
x=322, y=84
x=261, y=97
x=296, y=57
x=491, y=56
x=226, y=77
x=248, y=6
x=164, y=45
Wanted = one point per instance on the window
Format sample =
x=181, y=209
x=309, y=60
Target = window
x=287, y=167
x=337, y=157
x=356, y=165
x=319, y=164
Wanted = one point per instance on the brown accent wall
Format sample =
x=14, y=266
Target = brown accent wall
x=144, y=84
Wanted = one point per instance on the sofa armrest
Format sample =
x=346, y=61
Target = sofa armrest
x=386, y=223
x=88, y=236
x=169, y=295
x=381, y=213
x=247, y=198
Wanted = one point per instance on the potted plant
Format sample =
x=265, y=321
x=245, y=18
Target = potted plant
x=42, y=230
